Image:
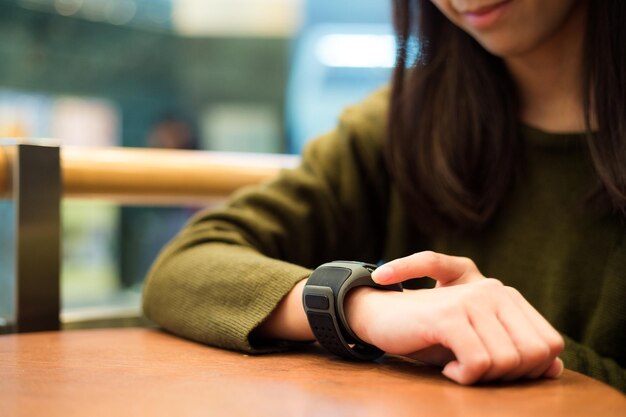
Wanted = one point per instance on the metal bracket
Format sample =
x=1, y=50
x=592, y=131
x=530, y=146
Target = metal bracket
x=35, y=181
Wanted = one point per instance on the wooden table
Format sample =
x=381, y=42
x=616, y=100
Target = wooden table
x=144, y=372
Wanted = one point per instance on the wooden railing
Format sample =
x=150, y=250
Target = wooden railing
x=37, y=178
x=4, y=174
x=155, y=176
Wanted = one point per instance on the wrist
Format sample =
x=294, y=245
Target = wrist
x=356, y=310
x=324, y=299
x=295, y=321
x=288, y=320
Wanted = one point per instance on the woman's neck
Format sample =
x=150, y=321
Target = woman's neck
x=550, y=79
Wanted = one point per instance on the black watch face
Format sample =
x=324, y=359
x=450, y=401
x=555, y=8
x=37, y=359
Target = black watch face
x=323, y=303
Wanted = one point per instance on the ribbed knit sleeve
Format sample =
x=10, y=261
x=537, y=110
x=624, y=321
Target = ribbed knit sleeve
x=227, y=269
x=583, y=359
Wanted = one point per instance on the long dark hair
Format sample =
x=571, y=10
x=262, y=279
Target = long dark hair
x=454, y=140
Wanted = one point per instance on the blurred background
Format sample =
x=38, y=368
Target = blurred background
x=227, y=75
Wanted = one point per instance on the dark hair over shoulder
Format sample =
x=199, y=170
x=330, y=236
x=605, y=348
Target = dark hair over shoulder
x=454, y=144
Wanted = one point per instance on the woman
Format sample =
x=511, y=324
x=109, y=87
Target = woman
x=500, y=152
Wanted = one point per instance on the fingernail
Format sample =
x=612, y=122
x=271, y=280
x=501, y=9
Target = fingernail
x=561, y=369
x=556, y=370
x=382, y=274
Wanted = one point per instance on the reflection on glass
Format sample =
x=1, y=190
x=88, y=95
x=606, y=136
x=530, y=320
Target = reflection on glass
x=90, y=271
x=334, y=65
x=356, y=50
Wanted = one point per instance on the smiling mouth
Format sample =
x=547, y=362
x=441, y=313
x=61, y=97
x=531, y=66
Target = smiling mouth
x=484, y=16
x=486, y=9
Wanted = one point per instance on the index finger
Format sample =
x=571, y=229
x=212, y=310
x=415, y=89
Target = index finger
x=443, y=268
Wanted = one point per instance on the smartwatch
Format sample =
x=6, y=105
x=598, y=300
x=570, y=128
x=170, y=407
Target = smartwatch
x=323, y=299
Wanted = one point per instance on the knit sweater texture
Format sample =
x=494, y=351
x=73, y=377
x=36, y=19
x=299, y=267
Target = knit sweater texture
x=228, y=268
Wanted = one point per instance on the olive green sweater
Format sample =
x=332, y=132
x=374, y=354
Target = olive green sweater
x=227, y=269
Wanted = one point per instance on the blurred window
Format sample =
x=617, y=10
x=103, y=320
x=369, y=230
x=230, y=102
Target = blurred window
x=228, y=75
x=89, y=269
x=341, y=54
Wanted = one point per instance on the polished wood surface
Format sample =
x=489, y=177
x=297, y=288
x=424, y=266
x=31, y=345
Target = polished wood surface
x=144, y=372
x=155, y=176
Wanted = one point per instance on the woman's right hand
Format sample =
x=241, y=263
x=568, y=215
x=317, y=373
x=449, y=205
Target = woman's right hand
x=479, y=331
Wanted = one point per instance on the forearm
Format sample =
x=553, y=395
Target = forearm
x=217, y=294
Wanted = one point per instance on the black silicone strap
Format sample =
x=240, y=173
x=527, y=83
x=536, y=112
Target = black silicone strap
x=323, y=299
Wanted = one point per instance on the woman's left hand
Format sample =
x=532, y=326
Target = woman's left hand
x=447, y=271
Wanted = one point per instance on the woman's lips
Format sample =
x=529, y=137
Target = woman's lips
x=485, y=16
